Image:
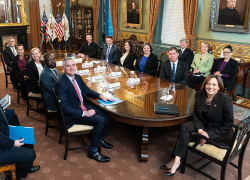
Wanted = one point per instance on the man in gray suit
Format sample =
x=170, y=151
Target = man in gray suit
x=110, y=52
x=48, y=80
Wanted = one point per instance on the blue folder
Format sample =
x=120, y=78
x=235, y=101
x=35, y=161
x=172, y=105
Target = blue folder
x=116, y=101
x=21, y=132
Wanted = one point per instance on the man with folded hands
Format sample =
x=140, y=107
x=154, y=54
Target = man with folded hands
x=89, y=48
x=73, y=93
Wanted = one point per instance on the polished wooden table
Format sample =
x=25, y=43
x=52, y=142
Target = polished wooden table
x=137, y=107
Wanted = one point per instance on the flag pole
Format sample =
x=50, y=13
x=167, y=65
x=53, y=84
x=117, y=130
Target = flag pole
x=64, y=29
x=58, y=6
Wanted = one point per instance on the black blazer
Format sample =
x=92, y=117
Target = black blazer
x=113, y=54
x=70, y=101
x=186, y=56
x=129, y=61
x=33, y=74
x=181, y=74
x=219, y=119
x=230, y=69
x=151, y=64
x=16, y=68
x=8, y=56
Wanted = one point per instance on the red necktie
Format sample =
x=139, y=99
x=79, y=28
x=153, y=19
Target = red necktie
x=78, y=93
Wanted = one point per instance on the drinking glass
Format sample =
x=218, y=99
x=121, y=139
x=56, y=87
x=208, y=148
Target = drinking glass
x=73, y=55
x=89, y=74
x=132, y=73
x=86, y=57
x=166, y=92
x=103, y=62
x=116, y=68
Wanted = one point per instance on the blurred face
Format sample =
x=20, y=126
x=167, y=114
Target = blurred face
x=231, y=3
x=146, y=49
x=212, y=86
x=133, y=5
x=109, y=41
x=35, y=55
x=69, y=68
x=50, y=61
x=227, y=53
x=11, y=42
x=173, y=55
x=204, y=48
x=183, y=44
x=126, y=46
x=89, y=38
x=20, y=50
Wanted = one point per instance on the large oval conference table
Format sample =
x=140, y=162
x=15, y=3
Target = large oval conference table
x=137, y=106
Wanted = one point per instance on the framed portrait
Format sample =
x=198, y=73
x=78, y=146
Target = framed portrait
x=230, y=16
x=132, y=12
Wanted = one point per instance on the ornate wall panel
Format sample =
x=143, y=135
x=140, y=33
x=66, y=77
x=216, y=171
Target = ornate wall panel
x=126, y=35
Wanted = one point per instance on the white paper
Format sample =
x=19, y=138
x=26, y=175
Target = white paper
x=96, y=62
x=95, y=78
x=58, y=63
x=114, y=74
x=100, y=68
x=83, y=72
x=167, y=98
x=114, y=85
x=78, y=60
x=85, y=65
x=133, y=81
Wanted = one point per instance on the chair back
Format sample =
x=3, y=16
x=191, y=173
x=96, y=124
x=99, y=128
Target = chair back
x=159, y=63
x=4, y=66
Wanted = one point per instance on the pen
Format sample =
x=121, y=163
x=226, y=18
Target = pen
x=162, y=108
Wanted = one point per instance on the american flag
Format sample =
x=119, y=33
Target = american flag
x=59, y=29
x=44, y=22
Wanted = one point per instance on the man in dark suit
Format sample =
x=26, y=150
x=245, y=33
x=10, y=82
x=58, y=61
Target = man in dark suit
x=15, y=151
x=89, y=48
x=73, y=93
x=174, y=70
x=48, y=78
x=110, y=52
x=185, y=54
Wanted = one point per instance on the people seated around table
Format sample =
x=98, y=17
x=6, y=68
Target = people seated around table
x=212, y=118
x=226, y=68
x=202, y=65
x=110, y=51
x=185, y=54
x=73, y=93
x=128, y=56
x=147, y=62
x=48, y=78
x=19, y=69
x=14, y=151
x=173, y=69
x=34, y=69
x=8, y=54
x=89, y=48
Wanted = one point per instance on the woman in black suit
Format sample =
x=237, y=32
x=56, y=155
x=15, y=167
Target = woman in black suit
x=212, y=117
x=19, y=69
x=226, y=68
x=147, y=62
x=128, y=56
x=34, y=69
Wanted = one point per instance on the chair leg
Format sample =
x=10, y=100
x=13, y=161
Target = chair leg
x=37, y=104
x=47, y=123
x=18, y=96
x=223, y=172
x=6, y=80
x=13, y=172
x=240, y=163
x=66, y=146
x=28, y=106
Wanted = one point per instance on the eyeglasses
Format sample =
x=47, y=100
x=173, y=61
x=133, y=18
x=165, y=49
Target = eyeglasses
x=226, y=52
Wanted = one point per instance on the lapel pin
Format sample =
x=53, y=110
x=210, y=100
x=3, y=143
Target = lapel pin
x=215, y=105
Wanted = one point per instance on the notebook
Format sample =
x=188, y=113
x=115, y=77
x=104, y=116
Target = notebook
x=20, y=132
x=160, y=108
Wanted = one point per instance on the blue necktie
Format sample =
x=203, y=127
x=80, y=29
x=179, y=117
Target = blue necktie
x=107, y=55
x=173, y=73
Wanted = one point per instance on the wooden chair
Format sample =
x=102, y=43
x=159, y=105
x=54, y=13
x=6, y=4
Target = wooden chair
x=35, y=96
x=9, y=167
x=6, y=72
x=222, y=155
x=76, y=129
x=159, y=63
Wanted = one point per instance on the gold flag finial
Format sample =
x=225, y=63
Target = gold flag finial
x=58, y=6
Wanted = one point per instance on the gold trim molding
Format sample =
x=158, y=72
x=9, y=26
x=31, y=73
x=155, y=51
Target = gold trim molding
x=239, y=51
x=126, y=35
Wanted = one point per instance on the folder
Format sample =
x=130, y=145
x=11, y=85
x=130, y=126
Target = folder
x=160, y=108
x=21, y=132
x=109, y=103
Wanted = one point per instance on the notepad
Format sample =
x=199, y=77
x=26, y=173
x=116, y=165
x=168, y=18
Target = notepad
x=21, y=132
x=160, y=108
x=109, y=103
x=5, y=101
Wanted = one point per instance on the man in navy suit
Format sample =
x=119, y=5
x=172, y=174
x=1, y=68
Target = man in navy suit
x=73, y=93
x=174, y=70
x=185, y=54
x=48, y=78
x=110, y=52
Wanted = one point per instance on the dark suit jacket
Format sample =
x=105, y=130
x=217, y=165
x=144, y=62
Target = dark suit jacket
x=186, y=56
x=151, y=64
x=48, y=81
x=230, y=69
x=129, y=61
x=8, y=56
x=113, y=54
x=219, y=119
x=70, y=101
x=16, y=68
x=33, y=74
x=181, y=74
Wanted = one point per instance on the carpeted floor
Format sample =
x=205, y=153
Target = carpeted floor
x=124, y=156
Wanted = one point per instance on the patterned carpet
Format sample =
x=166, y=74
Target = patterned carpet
x=124, y=156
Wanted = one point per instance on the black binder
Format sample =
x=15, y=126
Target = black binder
x=160, y=108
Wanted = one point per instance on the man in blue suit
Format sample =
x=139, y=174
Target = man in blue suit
x=48, y=78
x=73, y=93
x=110, y=52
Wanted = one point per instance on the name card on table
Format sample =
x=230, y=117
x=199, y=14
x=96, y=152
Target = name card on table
x=100, y=69
x=115, y=74
x=87, y=65
x=58, y=63
x=95, y=78
x=83, y=72
x=96, y=62
x=113, y=86
x=79, y=60
x=133, y=81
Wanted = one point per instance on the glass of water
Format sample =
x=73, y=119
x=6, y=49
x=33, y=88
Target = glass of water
x=116, y=68
x=73, y=55
x=166, y=92
x=132, y=73
x=86, y=57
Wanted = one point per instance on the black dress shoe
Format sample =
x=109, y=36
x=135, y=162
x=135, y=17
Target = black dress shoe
x=171, y=174
x=34, y=168
x=106, y=145
x=164, y=167
x=98, y=157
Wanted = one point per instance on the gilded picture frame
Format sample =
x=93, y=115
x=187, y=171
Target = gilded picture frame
x=221, y=18
x=132, y=11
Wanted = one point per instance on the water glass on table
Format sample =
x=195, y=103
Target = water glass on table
x=166, y=92
x=86, y=57
x=132, y=73
x=116, y=68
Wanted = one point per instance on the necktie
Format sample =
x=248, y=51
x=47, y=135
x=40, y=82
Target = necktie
x=78, y=93
x=14, y=51
x=173, y=73
x=107, y=55
x=55, y=73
